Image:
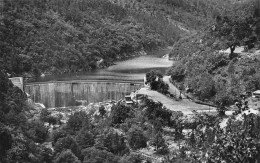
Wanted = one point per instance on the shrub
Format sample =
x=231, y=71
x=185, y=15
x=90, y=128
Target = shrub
x=37, y=131
x=85, y=139
x=136, y=138
x=66, y=143
x=77, y=121
x=93, y=155
x=67, y=156
x=115, y=143
x=120, y=112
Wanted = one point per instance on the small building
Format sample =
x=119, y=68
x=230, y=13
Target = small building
x=17, y=81
x=256, y=94
x=128, y=100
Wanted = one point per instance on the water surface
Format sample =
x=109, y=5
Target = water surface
x=132, y=69
x=112, y=83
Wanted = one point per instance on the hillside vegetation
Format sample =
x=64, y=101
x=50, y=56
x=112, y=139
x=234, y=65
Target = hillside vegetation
x=215, y=76
x=143, y=132
x=47, y=36
x=51, y=36
x=59, y=36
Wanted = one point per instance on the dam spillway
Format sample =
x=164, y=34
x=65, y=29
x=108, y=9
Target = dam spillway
x=67, y=93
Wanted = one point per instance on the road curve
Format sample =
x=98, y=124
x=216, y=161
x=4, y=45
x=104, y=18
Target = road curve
x=186, y=106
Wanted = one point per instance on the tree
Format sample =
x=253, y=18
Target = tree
x=67, y=143
x=233, y=30
x=136, y=138
x=132, y=158
x=85, y=139
x=102, y=110
x=253, y=83
x=77, y=121
x=192, y=140
x=159, y=143
x=37, y=131
x=6, y=141
x=156, y=111
x=154, y=78
x=57, y=134
x=205, y=87
x=67, y=156
x=237, y=145
x=115, y=143
x=177, y=72
x=120, y=112
x=46, y=116
x=93, y=155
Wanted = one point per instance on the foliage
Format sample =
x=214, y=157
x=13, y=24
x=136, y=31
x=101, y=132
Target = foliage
x=6, y=142
x=156, y=111
x=136, y=138
x=72, y=36
x=154, y=78
x=253, y=82
x=93, y=155
x=102, y=110
x=159, y=143
x=18, y=136
x=233, y=30
x=203, y=86
x=177, y=72
x=85, y=139
x=36, y=131
x=132, y=158
x=115, y=143
x=238, y=145
x=120, y=112
x=77, y=121
x=46, y=116
x=57, y=134
x=237, y=142
x=67, y=157
x=67, y=142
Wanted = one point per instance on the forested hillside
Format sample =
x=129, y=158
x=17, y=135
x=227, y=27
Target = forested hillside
x=221, y=77
x=60, y=36
x=49, y=36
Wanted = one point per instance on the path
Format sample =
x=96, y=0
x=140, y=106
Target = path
x=172, y=89
x=186, y=106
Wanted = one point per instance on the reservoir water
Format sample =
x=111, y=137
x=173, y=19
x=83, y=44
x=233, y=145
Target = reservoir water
x=112, y=83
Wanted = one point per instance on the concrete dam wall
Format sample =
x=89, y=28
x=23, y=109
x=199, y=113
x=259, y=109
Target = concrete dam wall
x=61, y=94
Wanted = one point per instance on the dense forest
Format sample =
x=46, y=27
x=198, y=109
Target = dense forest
x=60, y=36
x=122, y=134
x=216, y=76
x=70, y=36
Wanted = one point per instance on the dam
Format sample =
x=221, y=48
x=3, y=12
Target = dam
x=111, y=83
x=69, y=93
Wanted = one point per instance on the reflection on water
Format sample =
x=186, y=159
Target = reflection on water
x=131, y=69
